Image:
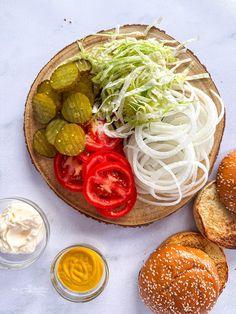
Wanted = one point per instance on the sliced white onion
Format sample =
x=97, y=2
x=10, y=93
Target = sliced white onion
x=169, y=157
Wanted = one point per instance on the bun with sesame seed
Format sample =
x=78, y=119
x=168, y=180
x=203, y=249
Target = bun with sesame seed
x=181, y=276
x=226, y=181
x=197, y=241
x=213, y=220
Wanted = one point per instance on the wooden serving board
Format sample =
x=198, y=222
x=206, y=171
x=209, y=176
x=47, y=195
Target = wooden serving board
x=142, y=213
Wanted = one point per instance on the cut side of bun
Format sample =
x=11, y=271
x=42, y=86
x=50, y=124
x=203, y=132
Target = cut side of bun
x=213, y=220
x=197, y=241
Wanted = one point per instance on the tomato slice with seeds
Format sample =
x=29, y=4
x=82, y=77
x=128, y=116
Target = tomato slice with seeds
x=68, y=171
x=103, y=156
x=96, y=139
x=84, y=156
x=108, y=185
x=115, y=213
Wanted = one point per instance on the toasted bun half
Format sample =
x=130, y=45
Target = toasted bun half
x=213, y=220
x=178, y=279
x=226, y=181
x=197, y=241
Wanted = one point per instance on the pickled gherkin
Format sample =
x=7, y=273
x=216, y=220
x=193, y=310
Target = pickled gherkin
x=83, y=89
x=44, y=108
x=70, y=140
x=65, y=77
x=46, y=88
x=86, y=79
x=41, y=144
x=77, y=108
x=53, y=129
x=83, y=65
x=86, y=90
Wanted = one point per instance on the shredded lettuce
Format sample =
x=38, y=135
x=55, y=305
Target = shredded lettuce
x=141, y=80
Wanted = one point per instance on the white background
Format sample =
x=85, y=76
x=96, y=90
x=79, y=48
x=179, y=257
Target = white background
x=31, y=32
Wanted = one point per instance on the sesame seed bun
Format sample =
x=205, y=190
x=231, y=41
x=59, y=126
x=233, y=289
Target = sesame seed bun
x=213, y=220
x=197, y=241
x=182, y=277
x=226, y=181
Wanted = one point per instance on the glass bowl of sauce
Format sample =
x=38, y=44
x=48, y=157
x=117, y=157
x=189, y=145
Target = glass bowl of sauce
x=24, y=232
x=79, y=273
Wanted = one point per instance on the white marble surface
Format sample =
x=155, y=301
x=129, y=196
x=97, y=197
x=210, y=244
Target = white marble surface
x=31, y=32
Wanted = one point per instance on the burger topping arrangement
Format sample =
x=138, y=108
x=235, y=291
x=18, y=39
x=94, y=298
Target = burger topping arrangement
x=131, y=96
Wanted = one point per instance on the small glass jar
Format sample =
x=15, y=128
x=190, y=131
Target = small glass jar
x=71, y=295
x=23, y=260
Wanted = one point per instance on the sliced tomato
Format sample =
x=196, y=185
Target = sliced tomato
x=84, y=156
x=68, y=171
x=120, y=149
x=96, y=139
x=103, y=156
x=118, y=212
x=109, y=185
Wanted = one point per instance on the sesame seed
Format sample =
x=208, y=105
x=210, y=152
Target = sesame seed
x=174, y=273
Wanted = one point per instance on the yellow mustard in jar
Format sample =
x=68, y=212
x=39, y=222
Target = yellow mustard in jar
x=80, y=269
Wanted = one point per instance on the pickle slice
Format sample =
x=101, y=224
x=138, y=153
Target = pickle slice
x=46, y=88
x=86, y=79
x=44, y=108
x=77, y=108
x=64, y=77
x=70, y=140
x=86, y=90
x=84, y=65
x=41, y=144
x=53, y=129
x=83, y=89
